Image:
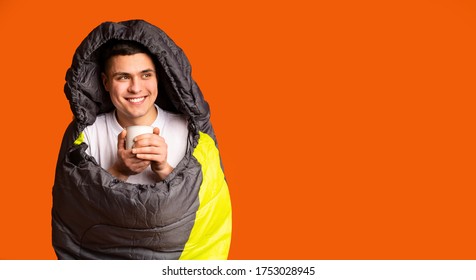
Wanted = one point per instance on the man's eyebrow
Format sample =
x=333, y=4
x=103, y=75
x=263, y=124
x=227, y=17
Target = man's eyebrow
x=120, y=74
x=148, y=70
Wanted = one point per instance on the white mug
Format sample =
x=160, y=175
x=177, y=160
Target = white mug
x=134, y=131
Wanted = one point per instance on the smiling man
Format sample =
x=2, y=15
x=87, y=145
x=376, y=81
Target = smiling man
x=130, y=78
x=164, y=198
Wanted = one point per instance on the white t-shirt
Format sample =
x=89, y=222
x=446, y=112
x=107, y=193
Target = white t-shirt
x=101, y=138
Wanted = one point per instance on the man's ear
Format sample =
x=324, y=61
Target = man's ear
x=105, y=81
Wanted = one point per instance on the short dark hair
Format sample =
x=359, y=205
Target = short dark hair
x=115, y=47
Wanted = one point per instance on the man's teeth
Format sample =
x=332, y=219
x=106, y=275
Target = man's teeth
x=135, y=100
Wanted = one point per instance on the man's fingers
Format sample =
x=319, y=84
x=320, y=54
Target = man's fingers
x=156, y=131
x=121, y=140
x=155, y=141
x=147, y=150
x=152, y=157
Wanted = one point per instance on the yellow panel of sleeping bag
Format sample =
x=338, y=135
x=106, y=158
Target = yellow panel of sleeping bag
x=80, y=139
x=211, y=234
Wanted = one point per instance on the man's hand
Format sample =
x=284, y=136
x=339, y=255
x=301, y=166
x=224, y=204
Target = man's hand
x=152, y=148
x=127, y=163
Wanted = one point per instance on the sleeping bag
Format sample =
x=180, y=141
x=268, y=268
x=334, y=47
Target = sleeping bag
x=97, y=216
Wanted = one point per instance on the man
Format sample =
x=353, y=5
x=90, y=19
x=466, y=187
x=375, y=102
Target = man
x=167, y=197
x=130, y=79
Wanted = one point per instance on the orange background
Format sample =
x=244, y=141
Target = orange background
x=346, y=129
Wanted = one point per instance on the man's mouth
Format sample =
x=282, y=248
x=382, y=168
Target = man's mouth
x=136, y=100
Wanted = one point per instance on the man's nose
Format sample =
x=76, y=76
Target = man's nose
x=135, y=85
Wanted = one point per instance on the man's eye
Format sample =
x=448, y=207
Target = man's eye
x=122, y=77
x=147, y=75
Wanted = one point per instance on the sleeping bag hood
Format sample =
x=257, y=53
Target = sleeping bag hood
x=97, y=216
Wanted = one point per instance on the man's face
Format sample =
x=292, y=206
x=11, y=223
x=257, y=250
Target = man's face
x=131, y=81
